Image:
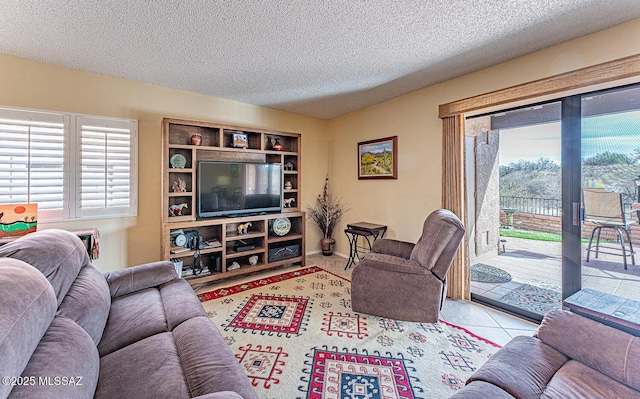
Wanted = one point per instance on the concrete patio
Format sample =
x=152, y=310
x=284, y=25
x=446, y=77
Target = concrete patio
x=539, y=263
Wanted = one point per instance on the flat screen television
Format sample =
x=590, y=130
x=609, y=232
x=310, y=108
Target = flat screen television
x=237, y=188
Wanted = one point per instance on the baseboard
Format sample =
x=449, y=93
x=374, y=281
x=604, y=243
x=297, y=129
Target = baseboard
x=340, y=254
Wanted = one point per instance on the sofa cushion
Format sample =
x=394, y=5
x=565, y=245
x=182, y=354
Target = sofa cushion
x=574, y=380
x=179, y=302
x=88, y=302
x=618, y=352
x=149, y=368
x=220, y=395
x=132, y=318
x=27, y=307
x=58, y=254
x=481, y=389
x=208, y=363
x=147, y=312
x=65, y=364
x=522, y=376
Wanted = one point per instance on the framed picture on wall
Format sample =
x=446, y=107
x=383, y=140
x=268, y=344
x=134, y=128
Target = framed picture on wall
x=378, y=159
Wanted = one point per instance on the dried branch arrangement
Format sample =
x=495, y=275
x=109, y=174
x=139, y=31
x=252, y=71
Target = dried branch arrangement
x=326, y=213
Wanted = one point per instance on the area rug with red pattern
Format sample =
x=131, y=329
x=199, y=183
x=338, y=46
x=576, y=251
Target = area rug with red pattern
x=296, y=336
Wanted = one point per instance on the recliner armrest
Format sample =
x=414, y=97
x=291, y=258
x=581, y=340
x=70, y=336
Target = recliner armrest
x=126, y=281
x=392, y=263
x=388, y=246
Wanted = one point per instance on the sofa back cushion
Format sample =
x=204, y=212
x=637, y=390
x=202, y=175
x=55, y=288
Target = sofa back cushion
x=88, y=302
x=81, y=290
x=27, y=307
x=65, y=364
x=57, y=254
x=610, y=351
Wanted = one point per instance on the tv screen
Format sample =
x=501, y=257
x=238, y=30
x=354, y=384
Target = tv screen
x=235, y=188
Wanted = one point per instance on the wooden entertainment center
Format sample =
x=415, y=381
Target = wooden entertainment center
x=271, y=239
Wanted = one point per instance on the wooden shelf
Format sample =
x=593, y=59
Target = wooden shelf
x=280, y=153
x=233, y=254
x=288, y=237
x=188, y=254
x=217, y=144
x=244, y=236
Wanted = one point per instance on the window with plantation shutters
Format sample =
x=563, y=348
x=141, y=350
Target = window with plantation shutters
x=32, y=160
x=105, y=164
x=73, y=166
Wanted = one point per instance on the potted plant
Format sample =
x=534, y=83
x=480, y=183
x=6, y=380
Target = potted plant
x=326, y=214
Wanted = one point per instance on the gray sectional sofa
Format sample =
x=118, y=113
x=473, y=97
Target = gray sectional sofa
x=69, y=331
x=570, y=356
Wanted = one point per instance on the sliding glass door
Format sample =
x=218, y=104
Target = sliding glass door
x=516, y=204
x=528, y=170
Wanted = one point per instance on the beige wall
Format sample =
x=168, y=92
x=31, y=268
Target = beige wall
x=403, y=204
x=331, y=145
x=129, y=241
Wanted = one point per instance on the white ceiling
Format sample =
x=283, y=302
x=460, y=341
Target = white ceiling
x=322, y=58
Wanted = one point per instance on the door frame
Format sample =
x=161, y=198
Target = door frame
x=452, y=114
x=571, y=168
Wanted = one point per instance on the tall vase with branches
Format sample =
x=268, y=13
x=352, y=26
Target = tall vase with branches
x=326, y=214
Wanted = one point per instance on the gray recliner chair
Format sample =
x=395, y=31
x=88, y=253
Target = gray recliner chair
x=404, y=281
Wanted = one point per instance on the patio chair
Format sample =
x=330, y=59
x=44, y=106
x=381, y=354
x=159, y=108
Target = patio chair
x=605, y=210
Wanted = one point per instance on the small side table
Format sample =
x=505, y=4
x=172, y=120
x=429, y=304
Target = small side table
x=367, y=231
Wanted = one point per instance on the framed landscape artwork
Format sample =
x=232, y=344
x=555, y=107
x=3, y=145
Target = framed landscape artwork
x=378, y=159
x=18, y=219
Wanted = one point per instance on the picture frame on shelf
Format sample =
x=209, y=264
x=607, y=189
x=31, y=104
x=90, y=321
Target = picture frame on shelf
x=240, y=140
x=378, y=159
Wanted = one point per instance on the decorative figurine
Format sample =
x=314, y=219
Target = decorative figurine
x=176, y=209
x=288, y=185
x=287, y=202
x=233, y=266
x=179, y=186
x=244, y=228
x=277, y=146
x=253, y=260
x=288, y=166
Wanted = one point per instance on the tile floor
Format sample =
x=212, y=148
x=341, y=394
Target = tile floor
x=488, y=323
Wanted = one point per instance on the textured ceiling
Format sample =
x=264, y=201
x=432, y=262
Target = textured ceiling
x=315, y=57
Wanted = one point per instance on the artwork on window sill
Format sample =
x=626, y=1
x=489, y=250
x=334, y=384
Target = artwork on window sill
x=18, y=219
x=378, y=159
